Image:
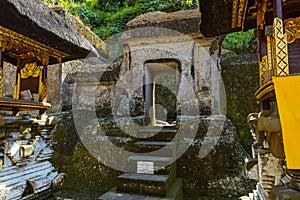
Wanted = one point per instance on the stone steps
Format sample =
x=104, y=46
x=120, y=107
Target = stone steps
x=154, y=185
x=156, y=152
x=155, y=147
x=147, y=134
x=284, y=193
x=158, y=134
x=162, y=165
x=175, y=193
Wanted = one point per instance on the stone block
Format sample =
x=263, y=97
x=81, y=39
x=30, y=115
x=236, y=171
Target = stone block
x=155, y=185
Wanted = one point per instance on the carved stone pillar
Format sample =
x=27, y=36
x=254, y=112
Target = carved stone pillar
x=1, y=71
x=43, y=85
x=148, y=93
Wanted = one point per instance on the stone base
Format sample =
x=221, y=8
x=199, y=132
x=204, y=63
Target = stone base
x=175, y=193
x=284, y=193
x=277, y=193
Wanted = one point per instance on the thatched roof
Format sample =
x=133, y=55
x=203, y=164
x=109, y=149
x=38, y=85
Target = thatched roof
x=185, y=21
x=225, y=16
x=220, y=17
x=38, y=22
x=81, y=28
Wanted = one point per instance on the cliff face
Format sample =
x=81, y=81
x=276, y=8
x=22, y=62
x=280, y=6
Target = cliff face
x=240, y=77
x=185, y=21
x=219, y=173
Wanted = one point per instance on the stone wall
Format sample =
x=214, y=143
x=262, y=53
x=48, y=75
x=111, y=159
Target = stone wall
x=94, y=85
x=240, y=76
x=54, y=87
x=84, y=171
x=219, y=172
x=197, y=57
x=9, y=80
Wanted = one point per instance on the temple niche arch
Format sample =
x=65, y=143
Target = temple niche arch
x=162, y=78
x=192, y=57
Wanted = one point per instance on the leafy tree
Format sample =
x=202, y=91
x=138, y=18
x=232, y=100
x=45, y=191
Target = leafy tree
x=108, y=17
x=238, y=42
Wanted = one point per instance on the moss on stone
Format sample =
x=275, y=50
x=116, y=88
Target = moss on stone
x=240, y=77
x=84, y=172
x=221, y=172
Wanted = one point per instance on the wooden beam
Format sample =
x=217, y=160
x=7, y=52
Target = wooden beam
x=265, y=105
x=277, y=6
x=262, y=42
x=45, y=73
x=1, y=71
x=43, y=87
x=148, y=93
x=1, y=58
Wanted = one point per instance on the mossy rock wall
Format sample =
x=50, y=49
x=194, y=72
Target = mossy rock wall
x=84, y=172
x=241, y=80
x=221, y=172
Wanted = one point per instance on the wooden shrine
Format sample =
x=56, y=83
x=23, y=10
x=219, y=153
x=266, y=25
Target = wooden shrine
x=32, y=37
x=31, y=59
x=275, y=162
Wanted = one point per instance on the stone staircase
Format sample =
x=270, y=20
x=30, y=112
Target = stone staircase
x=162, y=183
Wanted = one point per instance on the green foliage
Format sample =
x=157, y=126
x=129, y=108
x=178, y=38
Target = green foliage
x=49, y=2
x=168, y=5
x=238, y=42
x=108, y=17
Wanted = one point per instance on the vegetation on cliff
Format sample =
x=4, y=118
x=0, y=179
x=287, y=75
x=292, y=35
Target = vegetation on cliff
x=109, y=17
x=240, y=42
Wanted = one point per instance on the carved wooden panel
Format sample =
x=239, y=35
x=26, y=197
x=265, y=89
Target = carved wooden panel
x=294, y=57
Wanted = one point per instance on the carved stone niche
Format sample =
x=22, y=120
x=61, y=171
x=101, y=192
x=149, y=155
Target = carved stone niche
x=30, y=76
x=31, y=84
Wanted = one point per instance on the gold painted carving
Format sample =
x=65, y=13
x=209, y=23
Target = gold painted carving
x=44, y=58
x=269, y=52
x=235, y=5
x=268, y=87
x=15, y=92
x=292, y=28
x=43, y=90
x=17, y=87
x=30, y=69
x=238, y=13
x=12, y=40
x=261, y=14
x=263, y=66
x=241, y=13
x=266, y=69
x=1, y=80
x=281, y=50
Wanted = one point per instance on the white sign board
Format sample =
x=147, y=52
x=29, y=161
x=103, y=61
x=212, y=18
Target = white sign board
x=145, y=167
